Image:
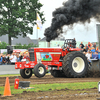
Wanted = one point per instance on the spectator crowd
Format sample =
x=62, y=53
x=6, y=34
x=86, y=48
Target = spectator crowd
x=12, y=58
x=90, y=50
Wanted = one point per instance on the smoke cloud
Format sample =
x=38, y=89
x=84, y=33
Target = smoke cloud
x=72, y=11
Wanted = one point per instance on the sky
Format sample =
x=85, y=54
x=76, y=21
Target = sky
x=83, y=33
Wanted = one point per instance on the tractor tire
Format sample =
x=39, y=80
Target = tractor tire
x=26, y=73
x=57, y=73
x=39, y=70
x=75, y=64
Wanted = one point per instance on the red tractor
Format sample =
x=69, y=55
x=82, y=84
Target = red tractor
x=66, y=61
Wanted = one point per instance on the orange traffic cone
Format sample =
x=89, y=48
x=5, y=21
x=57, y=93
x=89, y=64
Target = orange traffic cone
x=7, y=91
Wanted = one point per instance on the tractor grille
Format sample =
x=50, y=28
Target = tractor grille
x=32, y=58
x=31, y=53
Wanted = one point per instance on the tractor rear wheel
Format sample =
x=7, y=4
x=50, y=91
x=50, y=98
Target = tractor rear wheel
x=39, y=70
x=57, y=73
x=26, y=73
x=75, y=64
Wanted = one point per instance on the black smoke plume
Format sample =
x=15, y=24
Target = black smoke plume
x=72, y=11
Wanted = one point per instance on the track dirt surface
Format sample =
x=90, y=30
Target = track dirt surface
x=64, y=94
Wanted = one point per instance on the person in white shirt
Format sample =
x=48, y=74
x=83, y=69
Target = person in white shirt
x=13, y=58
x=89, y=55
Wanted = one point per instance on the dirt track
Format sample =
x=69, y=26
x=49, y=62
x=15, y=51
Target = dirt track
x=49, y=79
x=54, y=95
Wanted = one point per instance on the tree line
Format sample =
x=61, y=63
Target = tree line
x=3, y=45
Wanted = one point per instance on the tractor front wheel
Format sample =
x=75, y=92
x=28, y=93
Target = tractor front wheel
x=39, y=70
x=26, y=73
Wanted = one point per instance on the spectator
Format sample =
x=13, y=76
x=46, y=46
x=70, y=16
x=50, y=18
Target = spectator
x=97, y=48
x=1, y=54
x=18, y=58
x=94, y=45
x=13, y=59
x=93, y=50
x=89, y=55
x=26, y=56
x=86, y=47
x=0, y=59
x=7, y=58
x=4, y=60
x=89, y=49
x=21, y=56
x=81, y=45
x=95, y=55
x=89, y=45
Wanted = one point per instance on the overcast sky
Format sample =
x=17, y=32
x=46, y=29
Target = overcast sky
x=81, y=32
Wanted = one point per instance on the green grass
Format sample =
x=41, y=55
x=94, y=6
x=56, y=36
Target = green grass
x=72, y=86
x=8, y=75
x=50, y=87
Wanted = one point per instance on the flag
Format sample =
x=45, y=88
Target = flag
x=39, y=24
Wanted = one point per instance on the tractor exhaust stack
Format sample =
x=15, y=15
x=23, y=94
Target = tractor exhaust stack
x=48, y=44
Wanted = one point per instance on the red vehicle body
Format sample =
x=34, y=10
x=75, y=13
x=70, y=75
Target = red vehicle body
x=55, y=53
x=66, y=61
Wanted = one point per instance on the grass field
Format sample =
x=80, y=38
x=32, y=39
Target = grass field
x=55, y=86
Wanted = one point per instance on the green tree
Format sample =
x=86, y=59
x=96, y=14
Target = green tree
x=16, y=15
x=3, y=45
x=31, y=45
x=18, y=46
